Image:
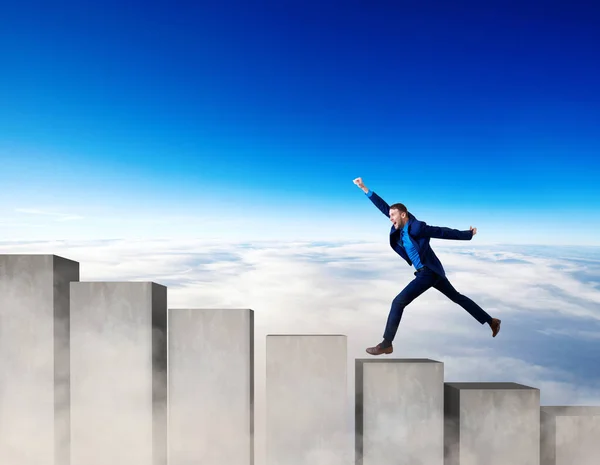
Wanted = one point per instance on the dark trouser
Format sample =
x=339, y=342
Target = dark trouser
x=425, y=278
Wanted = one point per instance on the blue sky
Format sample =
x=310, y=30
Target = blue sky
x=471, y=114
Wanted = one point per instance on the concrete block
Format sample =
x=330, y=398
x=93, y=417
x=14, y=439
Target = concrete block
x=34, y=358
x=491, y=423
x=570, y=435
x=211, y=386
x=399, y=411
x=118, y=373
x=306, y=400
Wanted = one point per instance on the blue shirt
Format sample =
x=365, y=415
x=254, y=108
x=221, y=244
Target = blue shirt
x=410, y=248
x=405, y=241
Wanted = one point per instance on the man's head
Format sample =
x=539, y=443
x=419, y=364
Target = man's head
x=398, y=215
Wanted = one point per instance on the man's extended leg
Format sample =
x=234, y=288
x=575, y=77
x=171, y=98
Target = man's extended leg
x=446, y=288
x=423, y=281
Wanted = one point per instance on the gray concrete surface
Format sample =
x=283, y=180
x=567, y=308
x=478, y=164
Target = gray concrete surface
x=118, y=373
x=491, y=423
x=211, y=386
x=34, y=358
x=570, y=435
x=306, y=400
x=399, y=411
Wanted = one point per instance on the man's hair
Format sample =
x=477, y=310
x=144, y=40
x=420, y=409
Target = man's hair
x=399, y=206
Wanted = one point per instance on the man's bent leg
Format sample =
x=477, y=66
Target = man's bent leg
x=446, y=288
x=414, y=289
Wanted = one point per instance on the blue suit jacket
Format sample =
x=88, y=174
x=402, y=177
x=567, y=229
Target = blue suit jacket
x=419, y=233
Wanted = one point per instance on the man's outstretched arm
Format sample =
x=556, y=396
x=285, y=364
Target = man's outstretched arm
x=377, y=201
x=440, y=232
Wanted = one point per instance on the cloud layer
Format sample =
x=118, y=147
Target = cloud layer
x=548, y=300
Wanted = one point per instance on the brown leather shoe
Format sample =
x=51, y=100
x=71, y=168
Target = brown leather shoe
x=379, y=349
x=495, y=325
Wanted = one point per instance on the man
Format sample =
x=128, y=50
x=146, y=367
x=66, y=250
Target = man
x=409, y=238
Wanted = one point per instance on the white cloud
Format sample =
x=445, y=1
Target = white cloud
x=347, y=288
x=573, y=333
x=55, y=215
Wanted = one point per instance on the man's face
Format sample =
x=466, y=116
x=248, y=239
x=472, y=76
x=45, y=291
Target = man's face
x=398, y=219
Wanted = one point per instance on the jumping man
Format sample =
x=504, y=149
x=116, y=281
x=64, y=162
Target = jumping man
x=409, y=238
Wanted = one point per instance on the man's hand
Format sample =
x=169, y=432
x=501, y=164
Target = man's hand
x=474, y=230
x=359, y=182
